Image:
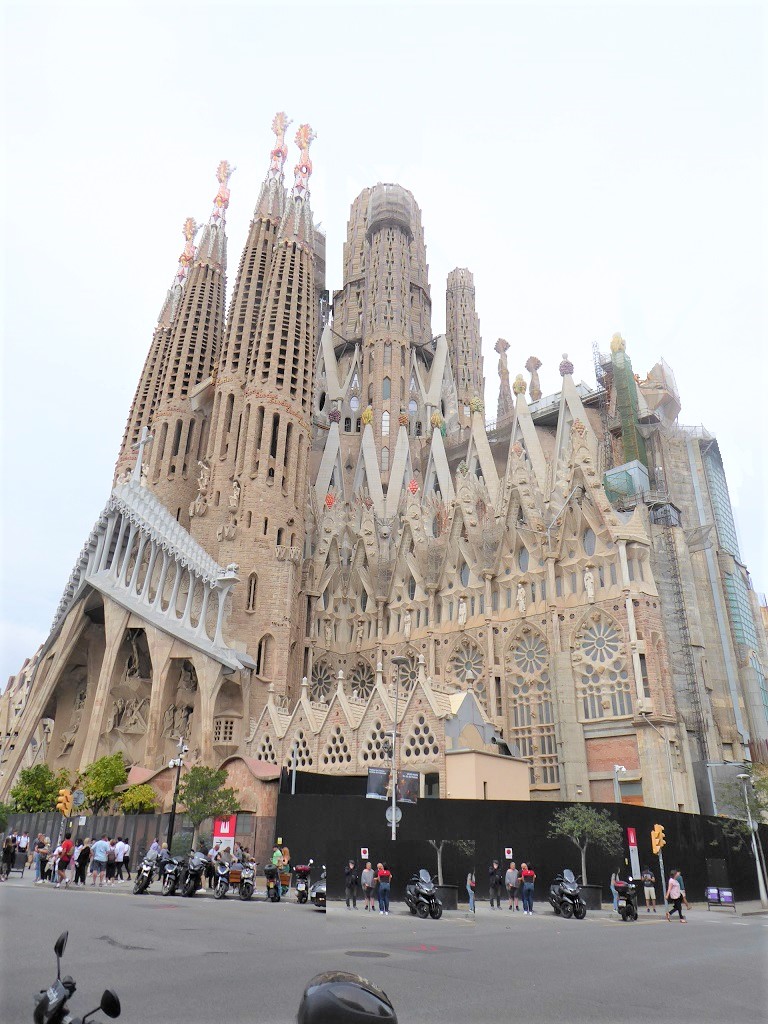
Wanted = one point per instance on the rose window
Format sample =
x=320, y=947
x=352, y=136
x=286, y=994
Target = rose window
x=600, y=641
x=362, y=680
x=407, y=675
x=467, y=661
x=530, y=654
x=322, y=681
x=605, y=689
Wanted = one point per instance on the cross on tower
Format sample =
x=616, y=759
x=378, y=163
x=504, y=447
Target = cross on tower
x=146, y=438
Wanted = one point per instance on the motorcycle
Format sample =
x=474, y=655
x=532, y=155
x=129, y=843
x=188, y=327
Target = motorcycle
x=144, y=875
x=421, y=896
x=272, y=876
x=302, y=881
x=193, y=879
x=627, y=893
x=51, y=1003
x=565, y=896
x=170, y=874
x=235, y=875
x=317, y=892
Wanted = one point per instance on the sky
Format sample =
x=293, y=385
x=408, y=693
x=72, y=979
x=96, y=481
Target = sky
x=598, y=168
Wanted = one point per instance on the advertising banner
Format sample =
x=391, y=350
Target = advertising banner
x=224, y=830
x=634, y=859
x=407, y=787
x=378, y=784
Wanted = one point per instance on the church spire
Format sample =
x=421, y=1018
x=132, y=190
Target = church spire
x=213, y=241
x=297, y=224
x=271, y=201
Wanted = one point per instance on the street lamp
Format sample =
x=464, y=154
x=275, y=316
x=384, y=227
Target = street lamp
x=744, y=779
x=398, y=661
x=665, y=741
x=177, y=763
x=616, y=787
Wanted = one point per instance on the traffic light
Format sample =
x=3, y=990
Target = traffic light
x=657, y=838
x=64, y=803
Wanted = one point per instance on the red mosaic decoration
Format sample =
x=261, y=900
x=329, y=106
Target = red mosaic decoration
x=330, y=500
x=413, y=486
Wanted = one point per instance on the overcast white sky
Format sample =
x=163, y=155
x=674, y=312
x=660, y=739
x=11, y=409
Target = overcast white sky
x=598, y=167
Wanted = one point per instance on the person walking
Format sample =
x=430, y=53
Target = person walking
x=65, y=856
x=682, y=890
x=39, y=846
x=350, y=884
x=495, y=882
x=127, y=858
x=649, y=889
x=471, y=891
x=9, y=855
x=614, y=891
x=512, y=882
x=119, y=856
x=111, y=862
x=99, y=861
x=528, y=877
x=367, y=881
x=674, y=895
x=384, y=878
x=82, y=860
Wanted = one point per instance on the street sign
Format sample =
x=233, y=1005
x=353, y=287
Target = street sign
x=398, y=815
x=508, y=852
x=364, y=852
x=81, y=820
x=78, y=798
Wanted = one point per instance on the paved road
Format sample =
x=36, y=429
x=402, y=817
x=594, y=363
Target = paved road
x=190, y=961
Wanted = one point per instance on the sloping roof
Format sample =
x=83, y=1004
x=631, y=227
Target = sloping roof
x=259, y=769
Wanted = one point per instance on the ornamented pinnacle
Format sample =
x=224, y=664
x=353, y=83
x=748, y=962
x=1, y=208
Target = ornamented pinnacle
x=618, y=344
x=519, y=386
x=188, y=256
x=533, y=365
x=303, y=169
x=566, y=367
x=223, y=172
x=279, y=154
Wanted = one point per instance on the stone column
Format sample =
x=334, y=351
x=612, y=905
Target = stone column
x=115, y=625
x=160, y=645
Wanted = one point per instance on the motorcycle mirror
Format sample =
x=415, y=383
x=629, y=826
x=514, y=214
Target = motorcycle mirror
x=59, y=946
x=110, y=1004
x=311, y=861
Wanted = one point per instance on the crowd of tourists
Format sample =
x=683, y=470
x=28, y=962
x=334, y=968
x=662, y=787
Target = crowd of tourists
x=69, y=862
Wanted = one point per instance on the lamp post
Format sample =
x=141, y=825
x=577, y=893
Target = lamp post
x=744, y=779
x=177, y=763
x=616, y=787
x=665, y=741
x=398, y=661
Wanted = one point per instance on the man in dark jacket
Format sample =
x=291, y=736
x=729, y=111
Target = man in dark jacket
x=495, y=883
x=351, y=882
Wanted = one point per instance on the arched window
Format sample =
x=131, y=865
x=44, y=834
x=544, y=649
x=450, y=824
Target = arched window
x=252, y=593
x=384, y=460
x=370, y=394
x=280, y=535
x=412, y=407
x=264, y=657
x=418, y=428
x=357, y=425
x=605, y=688
x=589, y=541
x=388, y=354
x=531, y=709
x=523, y=559
x=354, y=403
x=385, y=424
x=464, y=574
x=411, y=588
x=347, y=425
x=386, y=389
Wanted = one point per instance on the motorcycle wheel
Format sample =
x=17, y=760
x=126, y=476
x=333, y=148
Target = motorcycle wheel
x=140, y=885
x=436, y=912
x=566, y=910
x=190, y=887
x=168, y=886
x=556, y=908
x=422, y=910
x=632, y=916
x=220, y=891
x=246, y=890
x=412, y=910
x=579, y=911
x=623, y=915
x=272, y=896
x=302, y=897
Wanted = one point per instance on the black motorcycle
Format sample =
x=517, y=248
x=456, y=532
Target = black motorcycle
x=170, y=873
x=145, y=874
x=51, y=1003
x=627, y=893
x=235, y=875
x=565, y=896
x=317, y=892
x=421, y=896
x=303, y=872
x=272, y=876
x=193, y=877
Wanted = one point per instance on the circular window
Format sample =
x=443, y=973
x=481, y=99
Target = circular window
x=354, y=403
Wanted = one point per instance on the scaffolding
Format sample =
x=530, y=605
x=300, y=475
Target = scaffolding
x=667, y=517
x=604, y=378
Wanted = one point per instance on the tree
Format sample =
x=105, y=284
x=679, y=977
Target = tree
x=100, y=779
x=203, y=794
x=5, y=812
x=464, y=845
x=38, y=789
x=585, y=826
x=139, y=800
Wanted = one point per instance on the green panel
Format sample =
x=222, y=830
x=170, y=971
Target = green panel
x=626, y=404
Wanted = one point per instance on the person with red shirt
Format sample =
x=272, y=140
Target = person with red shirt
x=384, y=877
x=528, y=877
x=67, y=848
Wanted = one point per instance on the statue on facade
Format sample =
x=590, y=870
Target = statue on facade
x=533, y=365
x=521, y=598
x=407, y=623
x=589, y=584
x=359, y=634
x=328, y=632
x=169, y=719
x=234, y=498
x=68, y=736
x=462, y=611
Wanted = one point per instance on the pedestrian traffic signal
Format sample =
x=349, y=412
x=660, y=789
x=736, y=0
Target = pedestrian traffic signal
x=64, y=803
x=657, y=838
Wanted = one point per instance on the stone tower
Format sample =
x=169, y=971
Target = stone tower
x=462, y=327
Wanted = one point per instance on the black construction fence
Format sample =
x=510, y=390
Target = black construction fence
x=334, y=827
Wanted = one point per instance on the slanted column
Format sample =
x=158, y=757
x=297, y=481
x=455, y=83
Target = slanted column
x=115, y=624
x=114, y=567
x=201, y=630
x=157, y=603
x=137, y=563
x=186, y=618
x=160, y=645
x=108, y=542
x=150, y=570
x=175, y=592
x=126, y=557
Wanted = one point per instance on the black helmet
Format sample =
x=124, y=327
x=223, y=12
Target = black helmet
x=337, y=997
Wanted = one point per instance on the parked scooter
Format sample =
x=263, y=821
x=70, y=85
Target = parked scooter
x=145, y=874
x=272, y=876
x=193, y=878
x=51, y=1003
x=421, y=896
x=303, y=872
x=171, y=872
x=565, y=896
x=627, y=893
x=235, y=875
x=317, y=892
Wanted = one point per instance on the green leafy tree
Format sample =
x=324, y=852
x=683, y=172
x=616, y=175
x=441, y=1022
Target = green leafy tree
x=5, y=812
x=38, y=788
x=139, y=800
x=466, y=846
x=100, y=779
x=585, y=827
x=736, y=834
x=203, y=793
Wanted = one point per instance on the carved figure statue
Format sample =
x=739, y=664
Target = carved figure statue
x=328, y=632
x=186, y=714
x=118, y=706
x=521, y=598
x=169, y=720
x=68, y=736
x=234, y=498
x=533, y=365
x=462, y=611
x=589, y=585
x=187, y=679
x=407, y=623
x=134, y=720
x=203, y=476
x=359, y=634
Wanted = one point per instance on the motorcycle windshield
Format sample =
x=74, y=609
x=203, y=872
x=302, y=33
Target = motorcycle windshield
x=568, y=875
x=425, y=877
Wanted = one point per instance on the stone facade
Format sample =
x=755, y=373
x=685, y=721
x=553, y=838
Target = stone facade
x=323, y=495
